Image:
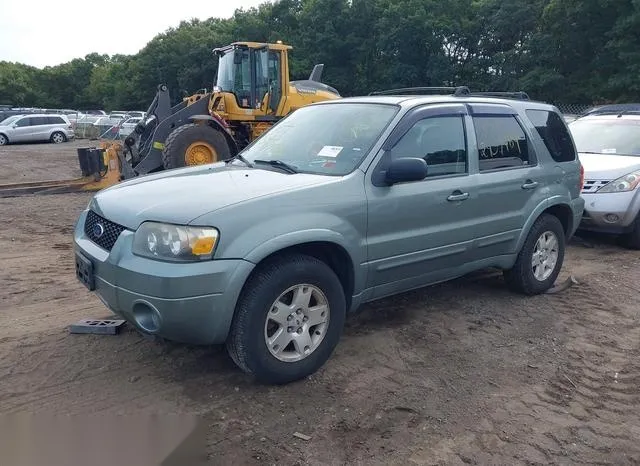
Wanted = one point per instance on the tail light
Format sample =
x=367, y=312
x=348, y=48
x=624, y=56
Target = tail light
x=581, y=178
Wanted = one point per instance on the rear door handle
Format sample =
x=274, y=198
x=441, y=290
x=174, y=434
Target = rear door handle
x=530, y=184
x=458, y=196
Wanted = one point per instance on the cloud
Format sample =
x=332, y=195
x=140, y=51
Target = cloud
x=46, y=32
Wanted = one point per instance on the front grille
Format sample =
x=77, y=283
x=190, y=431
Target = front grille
x=110, y=230
x=591, y=186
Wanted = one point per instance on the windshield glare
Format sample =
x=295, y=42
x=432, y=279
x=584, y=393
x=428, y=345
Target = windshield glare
x=619, y=137
x=328, y=139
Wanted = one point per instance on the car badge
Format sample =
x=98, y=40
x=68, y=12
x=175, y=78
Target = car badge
x=98, y=230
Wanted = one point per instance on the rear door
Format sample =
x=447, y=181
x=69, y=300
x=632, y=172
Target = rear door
x=421, y=232
x=39, y=128
x=510, y=179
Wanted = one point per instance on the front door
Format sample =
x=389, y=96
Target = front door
x=22, y=130
x=421, y=232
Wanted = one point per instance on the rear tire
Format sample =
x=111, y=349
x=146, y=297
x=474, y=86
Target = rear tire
x=182, y=138
x=522, y=277
x=3, y=140
x=269, y=338
x=58, y=138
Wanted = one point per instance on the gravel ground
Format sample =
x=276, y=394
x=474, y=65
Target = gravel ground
x=460, y=373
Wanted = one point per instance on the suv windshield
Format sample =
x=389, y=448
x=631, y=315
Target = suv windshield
x=619, y=136
x=327, y=139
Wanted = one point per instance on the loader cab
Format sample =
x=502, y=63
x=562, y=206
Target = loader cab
x=256, y=74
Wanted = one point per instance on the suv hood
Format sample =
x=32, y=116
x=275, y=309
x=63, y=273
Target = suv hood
x=180, y=196
x=608, y=166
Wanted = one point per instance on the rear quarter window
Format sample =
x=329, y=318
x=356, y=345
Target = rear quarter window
x=554, y=133
x=56, y=121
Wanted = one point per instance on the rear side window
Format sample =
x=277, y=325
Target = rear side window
x=554, y=134
x=502, y=143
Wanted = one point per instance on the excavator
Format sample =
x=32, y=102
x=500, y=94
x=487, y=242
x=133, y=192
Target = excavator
x=252, y=92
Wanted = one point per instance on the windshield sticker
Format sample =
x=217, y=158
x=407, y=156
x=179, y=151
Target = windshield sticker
x=330, y=151
x=609, y=151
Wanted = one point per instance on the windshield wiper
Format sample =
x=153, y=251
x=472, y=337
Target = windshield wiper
x=241, y=158
x=279, y=164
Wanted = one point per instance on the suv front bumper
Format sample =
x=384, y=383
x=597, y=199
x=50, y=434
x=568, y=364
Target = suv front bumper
x=186, y=302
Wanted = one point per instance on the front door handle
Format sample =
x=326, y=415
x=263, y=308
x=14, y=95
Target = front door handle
x=530, y=184
x=458, y=196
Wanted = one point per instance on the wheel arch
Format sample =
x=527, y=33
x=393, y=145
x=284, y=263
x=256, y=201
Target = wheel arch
x=217, y=124
x=7, y=137
x=329, y=251
x=558, y=209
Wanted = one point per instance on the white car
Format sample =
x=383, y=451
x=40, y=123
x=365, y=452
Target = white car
x=608, y=143
x=126, y=127
x=36, y=127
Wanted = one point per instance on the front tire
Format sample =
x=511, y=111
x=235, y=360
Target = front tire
x=194, y=144
x=288, y=320
x=632, y=239
x=541, y=258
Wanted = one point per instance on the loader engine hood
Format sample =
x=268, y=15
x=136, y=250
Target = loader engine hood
x=182, y=195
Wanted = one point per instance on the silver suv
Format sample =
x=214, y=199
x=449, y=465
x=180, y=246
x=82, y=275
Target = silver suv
x=340, y=203
x=35, y=128
x=608, y=142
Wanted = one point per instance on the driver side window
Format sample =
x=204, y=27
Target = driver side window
x=440, y=141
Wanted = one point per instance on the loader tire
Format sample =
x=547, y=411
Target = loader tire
x=194, y=144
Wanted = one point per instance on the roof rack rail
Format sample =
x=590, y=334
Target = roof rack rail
x=458, y=91
x=508, y=95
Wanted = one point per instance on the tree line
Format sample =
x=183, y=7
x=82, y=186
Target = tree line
x=562, y=51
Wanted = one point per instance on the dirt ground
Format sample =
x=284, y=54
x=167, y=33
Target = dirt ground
x=460, y=373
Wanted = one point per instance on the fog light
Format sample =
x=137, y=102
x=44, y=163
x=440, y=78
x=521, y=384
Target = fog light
x=611, y=218
x=146, y=316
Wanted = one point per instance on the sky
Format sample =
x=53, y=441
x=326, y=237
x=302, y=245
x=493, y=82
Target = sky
x=49, y=32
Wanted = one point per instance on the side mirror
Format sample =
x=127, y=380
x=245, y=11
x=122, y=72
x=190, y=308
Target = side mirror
x=406, y=169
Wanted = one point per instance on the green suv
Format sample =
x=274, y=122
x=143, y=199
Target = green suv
x=339, y=204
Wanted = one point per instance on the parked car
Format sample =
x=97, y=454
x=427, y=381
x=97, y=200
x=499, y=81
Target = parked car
x=36, y=127
x=608, y=142
x=137, y=114
x=127, y=126
x=340, y=203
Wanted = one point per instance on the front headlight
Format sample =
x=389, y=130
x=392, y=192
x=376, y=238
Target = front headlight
x=624, y=183
x=175, y=242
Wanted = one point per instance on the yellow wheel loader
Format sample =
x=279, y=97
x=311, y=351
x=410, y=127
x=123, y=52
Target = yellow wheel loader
x=252, y=92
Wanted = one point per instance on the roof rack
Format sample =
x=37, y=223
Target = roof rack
x=459, y=91
x=521, y=95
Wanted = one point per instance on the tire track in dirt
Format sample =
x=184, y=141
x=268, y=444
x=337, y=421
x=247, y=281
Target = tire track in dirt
x=578, y=410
